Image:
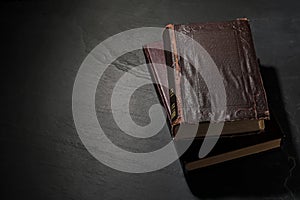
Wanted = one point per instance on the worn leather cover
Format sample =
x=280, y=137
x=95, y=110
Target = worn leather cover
x=155, y=59
x=156, y=63
x=226, y=143
x=231, y=47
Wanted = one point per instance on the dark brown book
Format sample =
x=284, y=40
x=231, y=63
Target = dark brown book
x=229, y=146
x=154, y=54
x=156, y=63
x=231, y=47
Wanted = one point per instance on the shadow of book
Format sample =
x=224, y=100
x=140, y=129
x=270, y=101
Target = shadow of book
x=276, y=104
x=260, y=175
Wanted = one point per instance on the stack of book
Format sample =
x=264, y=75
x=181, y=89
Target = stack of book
x=248, y=126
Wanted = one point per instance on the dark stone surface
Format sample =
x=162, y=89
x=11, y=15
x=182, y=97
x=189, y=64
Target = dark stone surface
x=43, y=45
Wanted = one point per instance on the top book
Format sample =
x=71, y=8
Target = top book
x=230, y=46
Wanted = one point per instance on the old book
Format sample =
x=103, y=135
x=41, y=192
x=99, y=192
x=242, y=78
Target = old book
x=156, y=63
x=155, y=58
x=229, y=146
x=231, y=47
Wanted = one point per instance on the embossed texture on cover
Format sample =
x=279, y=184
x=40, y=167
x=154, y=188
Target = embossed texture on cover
x=231, y=47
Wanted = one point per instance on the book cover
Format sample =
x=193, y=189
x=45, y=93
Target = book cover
x=229, y=146
x=231, y=47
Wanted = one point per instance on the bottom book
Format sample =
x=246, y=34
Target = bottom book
x=231, y=147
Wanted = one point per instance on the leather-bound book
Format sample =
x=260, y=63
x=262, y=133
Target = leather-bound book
x=248, y=132
x=229, y=146
x=156, y=62
x=232, y=147
x=230, y=46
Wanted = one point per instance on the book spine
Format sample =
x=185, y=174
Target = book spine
x=170, y=62
x=158, y=87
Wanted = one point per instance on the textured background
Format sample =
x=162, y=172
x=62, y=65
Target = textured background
x=43, y=45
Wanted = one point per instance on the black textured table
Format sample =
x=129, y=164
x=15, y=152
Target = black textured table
x=43, y=46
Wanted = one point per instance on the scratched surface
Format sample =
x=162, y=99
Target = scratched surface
x=44, y=44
